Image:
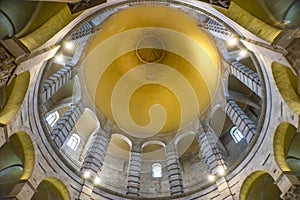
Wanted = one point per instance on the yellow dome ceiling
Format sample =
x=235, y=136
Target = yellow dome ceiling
x=151, y=70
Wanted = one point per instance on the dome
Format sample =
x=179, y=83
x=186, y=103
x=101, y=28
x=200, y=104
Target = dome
x=151, y=74
x=149, y=100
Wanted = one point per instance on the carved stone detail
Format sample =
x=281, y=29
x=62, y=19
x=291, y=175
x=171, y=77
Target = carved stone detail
x=7, y=66
x=292, y=194
x=83, y=5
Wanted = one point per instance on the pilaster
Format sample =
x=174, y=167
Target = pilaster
x=52, y=84
x=65, y=125
x=241, y=120
x=174, y=171
x=134, y=171
x=247, y=76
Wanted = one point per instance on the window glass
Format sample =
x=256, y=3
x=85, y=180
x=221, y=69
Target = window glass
x=52, y=118
x=73, y=142
x=236, y=134
x=156, y=170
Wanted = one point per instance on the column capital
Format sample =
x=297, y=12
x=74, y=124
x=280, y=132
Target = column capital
x=136, y=147
x=171, y=146
x=108, y=126
x=292, y=194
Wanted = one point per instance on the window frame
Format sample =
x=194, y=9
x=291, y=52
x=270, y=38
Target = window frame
x=52, y=118
x=73, y=141
x=236, y=134
x=156, y=170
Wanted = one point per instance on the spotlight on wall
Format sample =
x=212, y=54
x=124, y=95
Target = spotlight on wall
x=59, y=58
x=243, y=52
x=86, y=174
x=232, y=41
x=221, y=171
x=211, y=178
x=69, y=45
x=97, y=180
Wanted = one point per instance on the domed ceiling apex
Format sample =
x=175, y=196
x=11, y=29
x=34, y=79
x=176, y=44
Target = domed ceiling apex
x=148, y=73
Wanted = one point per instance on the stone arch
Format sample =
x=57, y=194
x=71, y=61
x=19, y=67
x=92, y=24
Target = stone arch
x=18, y=89
x=69, y=92
x=87, y=119
x=286, y=83
x=186, y=141
x=85, y=129
x=153, y=142
x=28, y=154
x=17, y=161
x=153, y=150
x=126, y=139
x=53, y=188
x=120, y=144
x=282, y=138
x=259, y=183
x=218, y=119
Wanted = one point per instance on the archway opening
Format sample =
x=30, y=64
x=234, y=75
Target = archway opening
x=50, y=189
x=284, y=152
x=259, y=185
x=16, y=163
x=287, y=84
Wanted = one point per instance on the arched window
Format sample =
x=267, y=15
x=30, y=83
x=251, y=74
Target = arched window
x=236, y=134
x=73, y=142
x=52, y=118
x=156, y=170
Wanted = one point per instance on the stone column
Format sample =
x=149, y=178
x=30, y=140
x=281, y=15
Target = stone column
x=134, y=170
x=65, y=125
x=247, y=76
x=174, y=172
x=212, y=151
x=57, y=80
x=94, y=158
x=241, y=120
